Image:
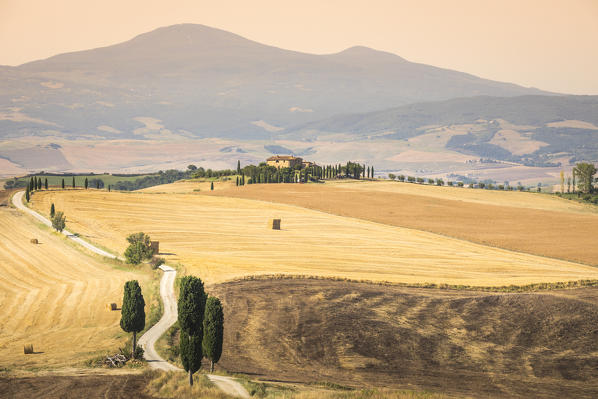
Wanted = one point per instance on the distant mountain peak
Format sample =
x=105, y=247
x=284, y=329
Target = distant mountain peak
x=367, y=52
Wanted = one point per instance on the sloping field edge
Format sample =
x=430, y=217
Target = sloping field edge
x=534, y=287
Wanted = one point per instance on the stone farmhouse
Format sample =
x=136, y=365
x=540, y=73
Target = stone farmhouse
x=284, y=161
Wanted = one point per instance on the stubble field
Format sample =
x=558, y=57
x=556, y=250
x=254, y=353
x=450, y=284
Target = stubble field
x=221, y=238
x=53, y=296
x=525, y=222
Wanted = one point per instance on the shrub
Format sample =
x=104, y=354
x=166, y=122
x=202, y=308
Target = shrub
x=587, y=197
x=156, y=262
x=139, y=249
x=59, y=221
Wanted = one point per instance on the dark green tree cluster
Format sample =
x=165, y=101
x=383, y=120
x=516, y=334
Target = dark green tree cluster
x=133, y=311
x=191, y=308
x=139, y=248
x=201, y=323
x=584, y=173
x=59, y=221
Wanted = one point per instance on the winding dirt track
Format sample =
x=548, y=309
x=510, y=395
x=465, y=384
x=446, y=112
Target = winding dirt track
x=169, y=317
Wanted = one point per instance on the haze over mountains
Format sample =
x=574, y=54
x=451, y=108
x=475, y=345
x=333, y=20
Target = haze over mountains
x=194, y=82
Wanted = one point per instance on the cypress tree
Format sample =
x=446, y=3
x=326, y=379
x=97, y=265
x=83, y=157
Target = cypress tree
x=238, y=167
x=63, y=184
x=372, y=172
x=52, y=210
x=39, y=183
x=46, y=183
x=191, y=307
x=243, y=179
x=213, y=330
x=108, y=187
x=237, y=184
x=132, y=312
x=86, y=183
x=98, y=184
x=27, y=196
x=212, y=186
x=73, y=181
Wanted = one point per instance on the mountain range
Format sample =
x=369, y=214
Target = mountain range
x=193, y=82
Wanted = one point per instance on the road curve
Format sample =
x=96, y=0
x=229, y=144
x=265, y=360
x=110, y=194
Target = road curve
x=226, y=384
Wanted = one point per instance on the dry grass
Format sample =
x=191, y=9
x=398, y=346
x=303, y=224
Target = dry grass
x=526, y=222
x=53, y=296
x=462, y=343
x=222, y=238
x=190, y=186
x=176, y=385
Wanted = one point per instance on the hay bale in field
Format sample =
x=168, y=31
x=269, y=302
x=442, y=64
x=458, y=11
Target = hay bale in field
x=111, y=306
x=28, y=349
x=155, y=247
x=274, y=224
x=34, y=241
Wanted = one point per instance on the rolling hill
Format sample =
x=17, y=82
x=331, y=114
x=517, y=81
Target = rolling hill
x=193, y=80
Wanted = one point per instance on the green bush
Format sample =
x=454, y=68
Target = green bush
x=140, y=248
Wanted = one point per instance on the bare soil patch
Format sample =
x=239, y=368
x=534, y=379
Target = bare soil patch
x=542, y=345
x=84, y=386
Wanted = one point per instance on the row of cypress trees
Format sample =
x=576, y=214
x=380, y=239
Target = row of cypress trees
x=201, y=323
x=200, y=319
x=269, y=174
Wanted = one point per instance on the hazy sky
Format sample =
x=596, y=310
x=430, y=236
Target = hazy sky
x=549, y=44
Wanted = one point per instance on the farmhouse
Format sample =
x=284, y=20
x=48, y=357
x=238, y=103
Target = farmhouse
x=284, y=161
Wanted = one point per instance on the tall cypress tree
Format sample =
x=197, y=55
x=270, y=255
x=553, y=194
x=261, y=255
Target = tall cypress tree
x=52, y=211
x=46, y=183
x=133, y=312
x=237, y=183
x=372, y=172
x=27, y=195
x=213, y=331
x=63, y=184
x=73, y=181
x=39, y=183
x=86, y=183
x=212, y=186
x=238, y=167
x=191, y=307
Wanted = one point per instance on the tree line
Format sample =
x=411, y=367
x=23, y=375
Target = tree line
x=264, y=173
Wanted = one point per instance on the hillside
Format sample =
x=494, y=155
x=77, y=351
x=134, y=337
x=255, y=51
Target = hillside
x=53, y=296
x=222, y=238
x=467, y=344
x=204, y=82
x=532, y=130
x=522, y=222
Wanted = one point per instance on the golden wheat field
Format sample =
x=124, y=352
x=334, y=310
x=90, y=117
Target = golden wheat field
x=219, y=238
x=514, y=199
x=525, y=222
x=53, y=296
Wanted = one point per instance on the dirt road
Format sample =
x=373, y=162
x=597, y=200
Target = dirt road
x=169, y=317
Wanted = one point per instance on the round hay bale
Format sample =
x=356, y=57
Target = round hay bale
x=34, y=241
x=28, y=349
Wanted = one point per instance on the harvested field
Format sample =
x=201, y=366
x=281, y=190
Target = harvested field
x=462, y=343
x=76, y=387
x=525, y=222
x=221, y=238
x=53, y=296
x=189, y=186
